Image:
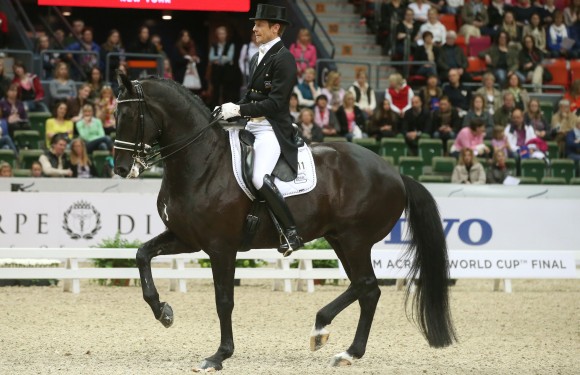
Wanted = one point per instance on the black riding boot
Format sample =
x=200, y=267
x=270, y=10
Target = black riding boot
x=276, y=202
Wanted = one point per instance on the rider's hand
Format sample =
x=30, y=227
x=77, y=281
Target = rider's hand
x=230, y=110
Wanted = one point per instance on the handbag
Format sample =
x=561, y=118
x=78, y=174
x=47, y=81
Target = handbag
x=191, y=80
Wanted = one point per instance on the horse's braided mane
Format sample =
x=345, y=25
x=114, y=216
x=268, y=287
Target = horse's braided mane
x=186, y=94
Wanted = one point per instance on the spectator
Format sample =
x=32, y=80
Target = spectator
x=436, y=28
x=420, y=10
x=225, y=84
x=471, y=137
x=167, y=70
x=96, y=82
x=106, y=109
x=501, y=59
x=384, y=123
x=431, y=93
x=399, y=94
x=80, y=163
x=520, y=94
x=445, y=122
x=58, y=38
x=158, y=44
x=364, y=95
x=453, y=6
x=249, y=50
x=311, y=133
x=451, y=57
x=406, y=32
x=332, y=90
x=13, y=111
x=574, y=34
x=517, y=132
x=307, y=90
x=503, y=115
x=427, y=52
x=570, y=12
x=573, y=145
x=490, y=93
x=536, y=30
x=498, y=171
x=510, y=26
x=76, y=34
x=324, y=117
x=416, y=122
x=49, y=60
x=186, y=55
x=112, y=45
x=55, y=162
x=534, y=117
x=574, y=96
x=86, y=44
x=392, y=12
x=474, y=16
x=350, y=118
x=4, y=81
x=90, y=129
x=500, y=143
x=495, y=14
x=304, y=52
x=468, y=170
x=477, y=111
x=30, y=90
x=5, y=169
x=36, y=169
x=530, y=63
x=562, y=122
x=294, y=108
x=557, y=33
x=61, y=87
x=548, y=11
x=142, y=45
x=75, y=105
x=458, y=95
x=59, y=124
x=523, y=11
x=6, y=142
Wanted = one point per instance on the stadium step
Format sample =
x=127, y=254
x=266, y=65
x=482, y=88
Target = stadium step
x=328, y=6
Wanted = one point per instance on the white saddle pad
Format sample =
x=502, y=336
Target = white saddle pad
x=305, y=180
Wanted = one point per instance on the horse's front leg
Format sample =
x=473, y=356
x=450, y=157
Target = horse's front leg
x=165, y=243
x=223, y=268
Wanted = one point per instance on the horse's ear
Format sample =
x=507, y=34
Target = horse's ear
x=123, y=80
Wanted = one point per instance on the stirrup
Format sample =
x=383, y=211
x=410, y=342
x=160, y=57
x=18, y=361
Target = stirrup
x=287, y=247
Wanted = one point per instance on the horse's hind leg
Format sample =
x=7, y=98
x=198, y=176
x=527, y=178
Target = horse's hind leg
x=165, y=243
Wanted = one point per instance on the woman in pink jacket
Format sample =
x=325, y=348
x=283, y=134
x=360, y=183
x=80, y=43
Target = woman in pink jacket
x=304, y=52
x=471, y=137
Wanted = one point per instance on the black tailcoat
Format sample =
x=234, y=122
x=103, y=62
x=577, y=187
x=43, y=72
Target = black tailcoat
x=268, y=94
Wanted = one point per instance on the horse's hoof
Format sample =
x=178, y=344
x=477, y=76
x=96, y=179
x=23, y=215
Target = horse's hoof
x=341, y=360
x=166, y=317
x=208, y=366
x=318, y=338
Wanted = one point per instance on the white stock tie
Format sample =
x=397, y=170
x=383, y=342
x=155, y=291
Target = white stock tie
x=262, y=52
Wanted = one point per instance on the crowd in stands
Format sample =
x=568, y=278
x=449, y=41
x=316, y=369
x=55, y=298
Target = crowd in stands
x=482, y=117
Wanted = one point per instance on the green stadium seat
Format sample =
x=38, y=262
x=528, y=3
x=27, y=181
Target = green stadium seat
x=8, y=156
x=528, y=181
x=368, y=143
x=553, y=181
x=553, y=150
x=335, y=139
x=28, y=156
x=21, y=172
x=575, y=181
x=99, y=157
x=533, y=168
x=411, y=166
x=563, y=168
x=395, y=147
x=27, y=139
x=428, y=148
x=434, y=179
x=37, y=121
x=443, y=165
x=547, y=109
x=511, y=165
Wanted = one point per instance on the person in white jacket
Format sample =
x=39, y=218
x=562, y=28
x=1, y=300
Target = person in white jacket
x=517, y=132
x=364, y=95
x=434, y=26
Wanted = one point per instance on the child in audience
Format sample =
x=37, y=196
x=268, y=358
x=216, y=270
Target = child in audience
x=499, y=142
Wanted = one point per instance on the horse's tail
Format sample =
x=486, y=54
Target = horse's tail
x=430, y=304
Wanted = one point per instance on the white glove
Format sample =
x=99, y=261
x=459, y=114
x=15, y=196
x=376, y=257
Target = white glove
x=230, y=110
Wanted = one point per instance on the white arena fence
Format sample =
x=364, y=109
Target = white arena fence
x=388, y=264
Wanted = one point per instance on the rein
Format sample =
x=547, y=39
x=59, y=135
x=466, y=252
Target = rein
x=142, y=152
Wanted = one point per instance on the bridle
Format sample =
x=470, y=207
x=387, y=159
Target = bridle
x=145, y=155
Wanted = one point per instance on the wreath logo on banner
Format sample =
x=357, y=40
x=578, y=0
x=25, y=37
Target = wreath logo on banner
x=81, y=220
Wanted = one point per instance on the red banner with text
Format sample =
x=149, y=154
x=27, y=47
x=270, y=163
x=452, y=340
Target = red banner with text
x=210, y=5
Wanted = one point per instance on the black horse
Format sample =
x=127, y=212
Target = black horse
x=356, y=203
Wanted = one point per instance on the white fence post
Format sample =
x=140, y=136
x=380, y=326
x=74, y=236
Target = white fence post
x=178, y=284
x=72, y=285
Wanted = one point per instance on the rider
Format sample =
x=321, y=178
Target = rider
x=272, y=79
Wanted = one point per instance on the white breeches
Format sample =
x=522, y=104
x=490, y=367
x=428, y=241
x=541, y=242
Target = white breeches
x=266, y=151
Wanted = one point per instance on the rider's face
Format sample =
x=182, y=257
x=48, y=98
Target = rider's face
x=264, y=32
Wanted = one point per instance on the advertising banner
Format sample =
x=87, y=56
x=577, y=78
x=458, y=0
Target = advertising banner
x=211, y=5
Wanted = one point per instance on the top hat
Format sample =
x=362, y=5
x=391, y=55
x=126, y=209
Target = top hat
x=271, y=13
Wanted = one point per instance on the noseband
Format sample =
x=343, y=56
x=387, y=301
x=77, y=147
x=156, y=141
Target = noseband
x=143, y=154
